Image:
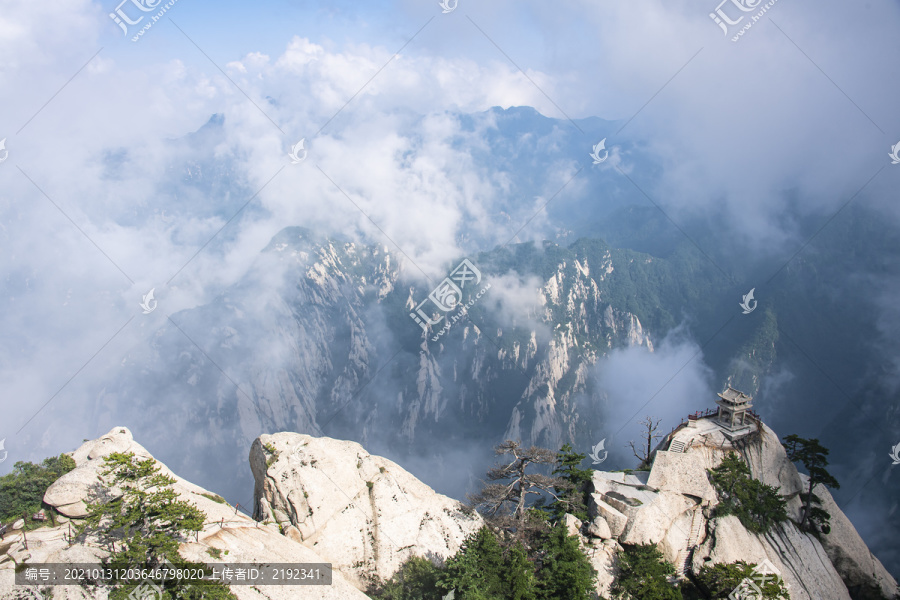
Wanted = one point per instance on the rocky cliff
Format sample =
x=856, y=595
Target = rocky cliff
x=238, y=537
x=673, y=506
x=365, y=514
x=319, y=499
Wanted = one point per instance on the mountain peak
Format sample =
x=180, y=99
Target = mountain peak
x=673, y=507
x=324, y=500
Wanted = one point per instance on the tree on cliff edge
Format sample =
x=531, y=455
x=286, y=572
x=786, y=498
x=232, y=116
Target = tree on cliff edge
x=649, y=436
x=144, y=522
x=504, y=502
x=813, y=456
x=573, y=496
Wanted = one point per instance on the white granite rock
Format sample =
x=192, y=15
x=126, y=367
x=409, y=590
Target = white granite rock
x=238, y=537
x=614, y=519
x=681, y=473
x=653, y=520
x=573, y=525
x=861, y=571
x=603, y=559
x=363, y=513
x=798, y=557
x=599, y=528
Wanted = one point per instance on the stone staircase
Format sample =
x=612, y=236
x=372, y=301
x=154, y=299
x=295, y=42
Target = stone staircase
x=684, y=555
x=676, y=446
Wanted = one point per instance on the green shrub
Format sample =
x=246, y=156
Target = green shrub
x=643, y=574
x=483, y=570
x=145, y=527
x=475, y=571
x=22, y=490
x=719, y=581
x=758, y=506
x=215, y=498
x=566, y=573
x=415, y=580
x=273, y=454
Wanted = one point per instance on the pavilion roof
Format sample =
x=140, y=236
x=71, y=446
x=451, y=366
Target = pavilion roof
x=733, y=396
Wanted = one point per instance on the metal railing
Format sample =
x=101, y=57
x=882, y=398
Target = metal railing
x=702, y=414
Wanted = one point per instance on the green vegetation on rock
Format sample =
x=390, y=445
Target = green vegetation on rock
x=144, y=522
x=486, y=569
x=643, y=575
x=758, y=506
x=813, y=456
x=22, y=491
x=719, y=581
x=214, y=498
x=574, y=497
x=273, y=454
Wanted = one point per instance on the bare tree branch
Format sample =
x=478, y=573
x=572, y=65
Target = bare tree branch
x=648, y=436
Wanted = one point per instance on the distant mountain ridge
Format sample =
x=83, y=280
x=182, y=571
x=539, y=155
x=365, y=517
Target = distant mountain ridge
x=316, y=320
x=317, y=337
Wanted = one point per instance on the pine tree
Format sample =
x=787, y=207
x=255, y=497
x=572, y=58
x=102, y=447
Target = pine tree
x=573, y=498
x=813, y=456
x=518, y=576
x=145, y=526
x=566, y=573
x=643, y=575
x=475, y=571
x=416, y=580
x=22, y=490
x=757, y=505
x=506, y=504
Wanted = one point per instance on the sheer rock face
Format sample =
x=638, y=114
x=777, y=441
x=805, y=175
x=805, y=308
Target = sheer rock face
x=863, y=574
x=237, y=537
x=798, y=557
x=363, y=513
x=673, y=506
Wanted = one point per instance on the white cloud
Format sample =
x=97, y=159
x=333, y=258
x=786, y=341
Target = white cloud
x=738, y=126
